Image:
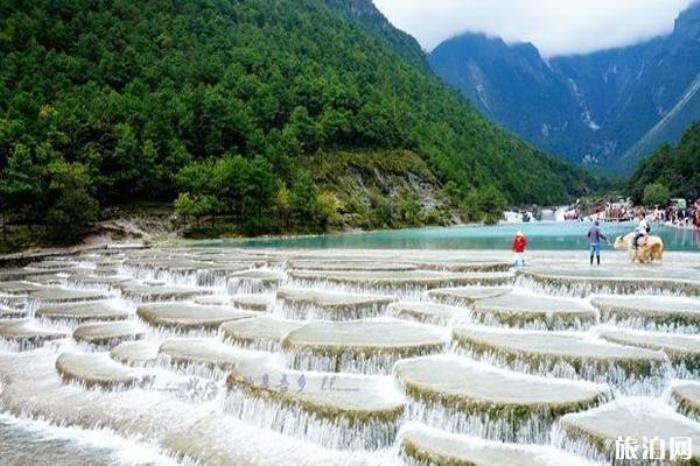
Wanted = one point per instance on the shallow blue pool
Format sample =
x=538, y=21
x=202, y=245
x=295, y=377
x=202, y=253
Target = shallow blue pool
x=541, y=235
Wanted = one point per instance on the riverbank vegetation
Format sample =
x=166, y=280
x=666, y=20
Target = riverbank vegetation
x=222, y=106
x=671, y=172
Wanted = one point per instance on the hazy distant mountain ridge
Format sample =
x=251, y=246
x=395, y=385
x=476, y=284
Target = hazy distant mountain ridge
x=605, y=109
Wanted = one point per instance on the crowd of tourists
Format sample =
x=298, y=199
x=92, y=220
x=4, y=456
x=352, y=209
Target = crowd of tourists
x=679, y=215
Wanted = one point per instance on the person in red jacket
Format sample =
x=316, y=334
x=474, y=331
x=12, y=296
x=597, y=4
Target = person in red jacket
x=519, y=244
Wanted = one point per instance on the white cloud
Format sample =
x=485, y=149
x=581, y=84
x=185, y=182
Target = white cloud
x=555, y=27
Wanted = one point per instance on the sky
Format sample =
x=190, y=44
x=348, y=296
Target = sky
x=555, y=27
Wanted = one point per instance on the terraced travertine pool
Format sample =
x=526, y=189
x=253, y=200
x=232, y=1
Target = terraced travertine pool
x=208, y=355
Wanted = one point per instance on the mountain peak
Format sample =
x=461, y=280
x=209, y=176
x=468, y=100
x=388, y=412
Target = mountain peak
x=590, y=108
x=688, y=20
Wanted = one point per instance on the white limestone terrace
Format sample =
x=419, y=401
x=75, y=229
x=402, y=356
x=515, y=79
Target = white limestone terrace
x=426, y=445
x=207, y=352
x=151, y=293
x=7, y=312
x=523, y=308
x=579, y=281
x=466, y=295
x=472, y=397
x=430, y=313
x=305, y=304
x=263, y=332
x=683, y=350
x=348, y=410
x=108, y=333
x=459, y=381
x=193, y=384
x=395, y=266
x=393, y=281
x=92, y=311
x=594, y=433
x=565, y=354
x=253, y=281
x=27, y=333
x=686, y=395
x=65, y=295
x=248, y=302
x=351, y=265
x=252, y=302
x=196, y=430
x=96, y=369
x=189, y=316
x=18, y=287
x=678, y=314
x=366, y=346
x=135, y=353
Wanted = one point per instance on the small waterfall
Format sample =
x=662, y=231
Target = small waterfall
x=534, y=427
x=581, y=446
x=337, y=432
x=642, y=380
x=352, y=361
x=308, y=311
x=583, y=287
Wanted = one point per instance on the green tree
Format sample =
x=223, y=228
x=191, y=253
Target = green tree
x=382, y=212
x=470, y=208
x=301, y=127
x=451, y=193
x=304, y=192
x=260, y=186
x=72, y=206
x=325, y=210
x=194, y=206
x=409, y=209
x=185, y=205
x=283, y=203
x=656, y=194
x=124, y=164
x=491, y=203
x=21, y=188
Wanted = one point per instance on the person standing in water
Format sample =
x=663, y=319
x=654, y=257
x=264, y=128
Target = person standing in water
x=594, y=236
x=519, y=244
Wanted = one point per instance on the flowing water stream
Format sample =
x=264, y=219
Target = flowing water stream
x=211, y=354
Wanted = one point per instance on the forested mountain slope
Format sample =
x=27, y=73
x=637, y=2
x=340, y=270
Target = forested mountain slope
x=674, y=167
x=225, y=102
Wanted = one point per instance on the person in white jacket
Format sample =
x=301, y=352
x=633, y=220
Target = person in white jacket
x=642, y=230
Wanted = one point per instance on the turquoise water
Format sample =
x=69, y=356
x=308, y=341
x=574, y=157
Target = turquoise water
x=25, y=442
x=544, y=235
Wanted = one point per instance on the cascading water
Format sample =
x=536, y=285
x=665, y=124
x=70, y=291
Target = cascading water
x=342, y=324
